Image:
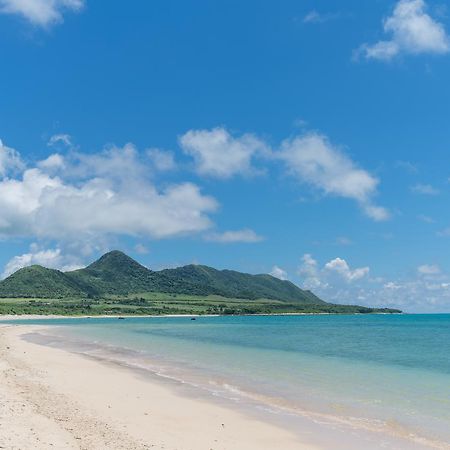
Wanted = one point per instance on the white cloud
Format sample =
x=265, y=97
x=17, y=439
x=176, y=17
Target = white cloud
x=161, y=159
x=41, y=13
x=310, y=157
x=392, y=285
x=218, y=154
x=424, y=189
x=383, y=50
x=341, y=267
x=336, y=282
x=122, y=164
x=228, y=237
x=429, y=269
x=53, y=162
x=322, y=280
x=422, y=294
x=50, y=258
x=9, y=160
x=310, y=273
x=279, y=273
x=141, y=249
x=64, y=139
x=309, y=265
x=412, y=31
x=314, y=160
x=378, y=213
x=99, y=194
x=315, y=17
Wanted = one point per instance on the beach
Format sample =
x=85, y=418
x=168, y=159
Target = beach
x=54, y=399
x=225, y=383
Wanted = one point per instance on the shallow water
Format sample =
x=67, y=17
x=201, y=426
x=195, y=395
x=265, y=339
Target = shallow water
x=380, y=375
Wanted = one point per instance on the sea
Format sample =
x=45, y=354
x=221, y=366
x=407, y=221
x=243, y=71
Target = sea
x=339, y=381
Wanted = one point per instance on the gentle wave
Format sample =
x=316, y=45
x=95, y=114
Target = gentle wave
x=214, y=383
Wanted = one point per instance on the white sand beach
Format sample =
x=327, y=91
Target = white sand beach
x=54, y=399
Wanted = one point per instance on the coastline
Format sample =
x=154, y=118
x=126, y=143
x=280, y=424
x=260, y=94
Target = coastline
x=13, y=317
x=52, y=398
x=196, y=383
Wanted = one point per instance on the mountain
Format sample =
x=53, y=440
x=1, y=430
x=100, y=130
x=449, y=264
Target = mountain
x=117, y=274
x=203, y=280
x=39, y=282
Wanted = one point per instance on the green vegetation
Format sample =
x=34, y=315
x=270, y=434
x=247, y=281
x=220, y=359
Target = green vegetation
x=116, y=273
x=161, y=304
x=37, y=281
x=118, y=285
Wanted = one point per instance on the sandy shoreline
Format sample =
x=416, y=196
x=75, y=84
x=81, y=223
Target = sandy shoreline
x=54, y=399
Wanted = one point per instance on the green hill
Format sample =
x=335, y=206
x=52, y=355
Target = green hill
x=203, y=280
x=117, y=274
x=39, y=282
x=117, y=284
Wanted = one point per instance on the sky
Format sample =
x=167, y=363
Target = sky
x=305, y=139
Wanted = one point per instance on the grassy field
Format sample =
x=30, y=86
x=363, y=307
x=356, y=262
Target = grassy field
x=161, y=304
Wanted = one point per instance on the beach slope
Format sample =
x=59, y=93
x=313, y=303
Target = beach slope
x=54, y=399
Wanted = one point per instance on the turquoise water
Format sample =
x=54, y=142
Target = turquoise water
x=380, y=374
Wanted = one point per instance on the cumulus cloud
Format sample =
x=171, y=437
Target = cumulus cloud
x=310, y=157
x=53, y=162
x=314, y=160
x=99, y=194
x=427, y=290
x=279, y=273
x=9, y=160
x=310, y=273
x=424, y=189
x=421, y=294
x=218, y=154
x=412, y=31
x=50, y=258
x=315, y=277
x=319, y=278
x=162, y=160
x=245, y=236
x=41, y=13
x=122, y=164
x=341, y=267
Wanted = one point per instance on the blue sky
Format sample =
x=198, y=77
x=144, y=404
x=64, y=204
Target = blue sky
x=308, y=139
